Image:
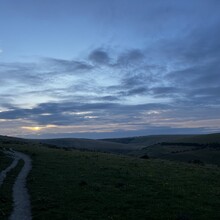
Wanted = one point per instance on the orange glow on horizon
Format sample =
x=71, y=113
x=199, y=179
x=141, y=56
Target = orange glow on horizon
x=33, y=128
x=38, y=128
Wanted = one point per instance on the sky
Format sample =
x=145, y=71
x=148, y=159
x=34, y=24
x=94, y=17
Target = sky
x=101, y=68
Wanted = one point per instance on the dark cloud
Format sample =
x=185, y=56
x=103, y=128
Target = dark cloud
x=203, y=44
x=70, y=66
x=196, y=45
x=167, y=53
x=167, y=92
x=72, y=113
x=134, y=91
x=5, y=100
x=152, y=117
x=137, y=91
x=130, y=57
x=198, y=83
x=99, y=56
x=207, y=95
x=150, y=130
x=164, y=90
x=24, y=73
x=109, y=98
x=135, y=80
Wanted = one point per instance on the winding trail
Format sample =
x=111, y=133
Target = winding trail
x=21, y=199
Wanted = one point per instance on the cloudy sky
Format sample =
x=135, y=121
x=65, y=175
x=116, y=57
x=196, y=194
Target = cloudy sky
x=109, y=68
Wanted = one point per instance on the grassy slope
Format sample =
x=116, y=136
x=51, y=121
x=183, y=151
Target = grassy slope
x=91, y=185
x=182, y=153
x=6, y=200
x=90, y=144
x=6, y=188
x=148, y=140
x=154, y=139
x=202, y=139
x=4, y=161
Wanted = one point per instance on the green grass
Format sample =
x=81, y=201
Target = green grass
x=202, y=139
x=89, y=185
x=4, y=161
x=206, y=155
x=93, y=145
x=154, y=139
x=6, y=200
x=148, y=140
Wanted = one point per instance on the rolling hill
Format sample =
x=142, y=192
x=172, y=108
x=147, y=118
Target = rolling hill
x=75, y=143
x=147, y=140
x=200, y=149
x=154, y=139
x=203, y=149
x=94, y=185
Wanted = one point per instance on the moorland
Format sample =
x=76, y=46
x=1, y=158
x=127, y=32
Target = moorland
x=147, y=177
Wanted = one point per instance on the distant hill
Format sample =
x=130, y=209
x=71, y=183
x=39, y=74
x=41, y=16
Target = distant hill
x=191, y=153
x=87, y=144
x=202, y=139
x=74, y=143
x=148, y=140
x=154, y=139
x=203, y=148
x=7, y=139
x=94, y=185
x=200, y=149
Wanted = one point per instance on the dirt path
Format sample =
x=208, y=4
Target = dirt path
x=22, y=206
x=21, y=200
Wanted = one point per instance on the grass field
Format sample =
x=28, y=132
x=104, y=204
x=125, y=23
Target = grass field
x=6, y=201
x=203, y=154
x=72, y=184
x=4, y=161
x=91, y=185
x=92, y=145
x=155, y=139
x=148, y=140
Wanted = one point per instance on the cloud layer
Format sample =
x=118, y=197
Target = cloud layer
x=171, y=83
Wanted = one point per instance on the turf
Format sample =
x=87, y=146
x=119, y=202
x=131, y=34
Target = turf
x=4, y=161
x=6, y=200
x=154, y=139
x=89, y=185
x=148, y=140
x=206, y=155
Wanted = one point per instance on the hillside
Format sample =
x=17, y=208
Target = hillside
x=87, y=144
x=75, y=143
x=201, y=139
x=93, y=185
x=154, y=139
x=200, y=149
x=203, y=149
x=8, y=139
x=148, y=140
